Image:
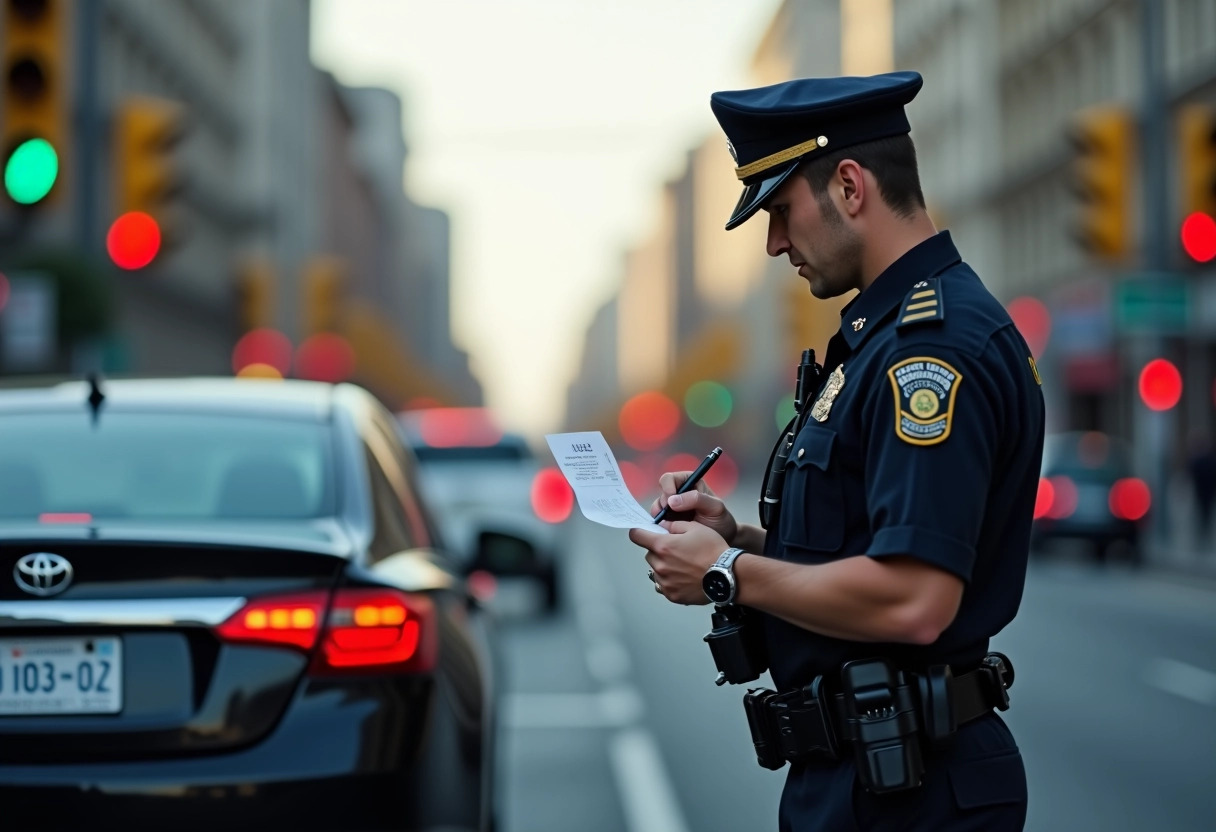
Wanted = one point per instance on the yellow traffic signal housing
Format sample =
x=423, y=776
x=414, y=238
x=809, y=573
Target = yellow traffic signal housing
x=323, y=285
x=146, y=131
x=1197, y=158
x=1104, y=139
x=34, y=53
x=256, y=293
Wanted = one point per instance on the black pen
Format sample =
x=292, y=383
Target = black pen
x=693, y=479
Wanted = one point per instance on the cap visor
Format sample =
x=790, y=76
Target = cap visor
x=755, y=195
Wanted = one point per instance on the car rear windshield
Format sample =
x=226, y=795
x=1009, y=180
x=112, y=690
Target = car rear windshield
x=163, y=465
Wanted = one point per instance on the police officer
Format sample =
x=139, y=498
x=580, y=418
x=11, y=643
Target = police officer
x=899, y=536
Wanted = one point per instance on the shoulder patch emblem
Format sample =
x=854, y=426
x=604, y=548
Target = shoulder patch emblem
x=923, y=304
x=924, y=399
x=1034, y=368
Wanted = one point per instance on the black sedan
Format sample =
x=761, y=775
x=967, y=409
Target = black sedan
x=223, y=605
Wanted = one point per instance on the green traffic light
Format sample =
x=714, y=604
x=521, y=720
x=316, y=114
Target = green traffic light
x=31, y=171
x=708, y=404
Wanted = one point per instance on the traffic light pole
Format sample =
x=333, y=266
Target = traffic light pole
x=87, y=132
x=1152, y=429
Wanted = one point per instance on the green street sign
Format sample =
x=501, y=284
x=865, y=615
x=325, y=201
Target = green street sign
x=1155, y=303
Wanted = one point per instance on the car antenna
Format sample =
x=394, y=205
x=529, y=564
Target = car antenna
x=96, y=397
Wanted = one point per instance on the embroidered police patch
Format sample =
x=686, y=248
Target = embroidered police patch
x=924, y=399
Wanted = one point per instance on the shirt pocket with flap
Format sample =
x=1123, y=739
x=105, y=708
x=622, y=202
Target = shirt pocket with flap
x=812, y=503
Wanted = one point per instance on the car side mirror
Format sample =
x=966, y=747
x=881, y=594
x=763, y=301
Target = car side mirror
x=504, y=554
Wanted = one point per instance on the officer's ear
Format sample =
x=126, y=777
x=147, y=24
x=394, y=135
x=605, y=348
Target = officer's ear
x=850, y=179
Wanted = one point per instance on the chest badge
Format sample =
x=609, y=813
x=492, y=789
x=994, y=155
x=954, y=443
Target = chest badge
x=823, y=404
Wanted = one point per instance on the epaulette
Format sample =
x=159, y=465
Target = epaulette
x=923, y=304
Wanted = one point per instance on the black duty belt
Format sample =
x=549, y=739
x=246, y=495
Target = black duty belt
x=812, y=722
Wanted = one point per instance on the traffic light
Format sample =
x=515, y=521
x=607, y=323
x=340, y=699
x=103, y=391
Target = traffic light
x=323, y=279
x=1104, y=140
x=34, y=132
x=1197, y=159
x=256, y=294
x=147, y=177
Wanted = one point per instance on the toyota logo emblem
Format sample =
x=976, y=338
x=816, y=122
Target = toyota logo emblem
x=43, y=573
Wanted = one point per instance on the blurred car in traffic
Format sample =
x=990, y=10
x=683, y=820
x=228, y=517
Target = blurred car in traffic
x=480, y=477
x=1087, y=492
x=224, y=604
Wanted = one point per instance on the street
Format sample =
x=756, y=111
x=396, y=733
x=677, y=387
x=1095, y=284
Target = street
x=611, y=720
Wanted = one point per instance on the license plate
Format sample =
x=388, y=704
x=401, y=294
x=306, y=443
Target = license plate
x=60, y=676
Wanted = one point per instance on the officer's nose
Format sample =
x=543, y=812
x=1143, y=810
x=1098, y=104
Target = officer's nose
x=778, y=242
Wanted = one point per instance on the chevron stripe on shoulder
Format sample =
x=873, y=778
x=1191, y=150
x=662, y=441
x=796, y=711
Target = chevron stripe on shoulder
x=923, y=304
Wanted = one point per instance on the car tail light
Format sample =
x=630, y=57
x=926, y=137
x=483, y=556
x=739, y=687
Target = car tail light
x=552, y=497
x=1042, y=501
x=1064, y=498
x=1130, y=498
x=284, y=619
x=378, y=630
x=366, y=628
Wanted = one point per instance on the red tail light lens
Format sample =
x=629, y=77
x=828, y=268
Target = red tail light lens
x=552, y=497
x=1130, y=499
x=378, y=630
x=1043, y=500
x=286, y=619
x=1064, y=498
x=366, y=629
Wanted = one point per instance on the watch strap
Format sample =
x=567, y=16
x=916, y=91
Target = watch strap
x=727, y=559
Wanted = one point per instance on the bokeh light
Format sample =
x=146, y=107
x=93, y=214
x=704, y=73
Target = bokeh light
x=1130, y=498
x=1199, y=237
x=648, y=420
x=723, y=478
x=635, y=479
x=325, y=357
x=31, y=171
x=458, y=427
x=262, y=346
x=708, y=404
x=552, y=497
x=133, y=240
x=258, y=370
x=1033, y=320
x=1160, y=384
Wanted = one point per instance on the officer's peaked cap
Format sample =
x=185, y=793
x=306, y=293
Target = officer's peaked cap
x=769, y=130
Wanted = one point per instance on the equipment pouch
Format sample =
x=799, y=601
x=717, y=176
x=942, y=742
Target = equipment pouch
x=882, y=722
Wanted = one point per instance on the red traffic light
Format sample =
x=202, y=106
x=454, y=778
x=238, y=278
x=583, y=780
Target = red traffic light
x=133, y=240
x=1160, y=384
x=1199, y=237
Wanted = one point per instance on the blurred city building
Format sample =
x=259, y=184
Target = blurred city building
x=278, y=195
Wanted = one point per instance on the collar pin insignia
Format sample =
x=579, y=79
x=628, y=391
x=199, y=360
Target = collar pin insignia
x=921, y=285
x=858, y=324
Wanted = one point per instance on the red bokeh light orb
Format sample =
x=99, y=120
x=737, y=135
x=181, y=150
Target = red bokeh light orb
x=648, y=420
x=1044, y=499
x=1160, y=384
x=723, y=478
x=1033, y=320
x=325, y=357
x=552, y=496
x=1199, y=237
x=1130, y=498
x=262, y=346
x=133, y=240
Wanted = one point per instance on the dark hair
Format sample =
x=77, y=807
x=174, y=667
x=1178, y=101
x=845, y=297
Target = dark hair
x=892, y=161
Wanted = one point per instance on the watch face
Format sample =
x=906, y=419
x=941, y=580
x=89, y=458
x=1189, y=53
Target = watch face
x=716, y=586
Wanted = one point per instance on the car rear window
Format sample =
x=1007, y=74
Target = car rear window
x=163, y=465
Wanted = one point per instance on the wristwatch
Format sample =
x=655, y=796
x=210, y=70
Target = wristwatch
x=719, y=581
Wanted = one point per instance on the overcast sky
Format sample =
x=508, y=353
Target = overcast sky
x=545, y=128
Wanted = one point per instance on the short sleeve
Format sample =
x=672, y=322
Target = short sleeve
x=934, y=425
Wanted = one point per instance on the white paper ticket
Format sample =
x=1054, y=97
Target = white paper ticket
x=592, y=471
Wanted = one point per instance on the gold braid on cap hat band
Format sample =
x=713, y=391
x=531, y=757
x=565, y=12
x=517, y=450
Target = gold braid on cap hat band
x=752, y=168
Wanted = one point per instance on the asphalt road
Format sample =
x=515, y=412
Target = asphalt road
x=612, y=722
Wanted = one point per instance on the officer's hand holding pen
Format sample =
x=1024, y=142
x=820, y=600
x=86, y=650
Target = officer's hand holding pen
x=694, y=504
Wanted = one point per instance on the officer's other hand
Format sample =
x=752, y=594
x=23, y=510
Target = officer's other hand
x=680, y=559
x=700, y=505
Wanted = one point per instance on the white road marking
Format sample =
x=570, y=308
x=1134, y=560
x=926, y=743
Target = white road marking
x=646, y=791
x=1182, y=679
x=615, y=707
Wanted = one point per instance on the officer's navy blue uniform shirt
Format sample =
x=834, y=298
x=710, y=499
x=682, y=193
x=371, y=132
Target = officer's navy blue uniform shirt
x=924, y=440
